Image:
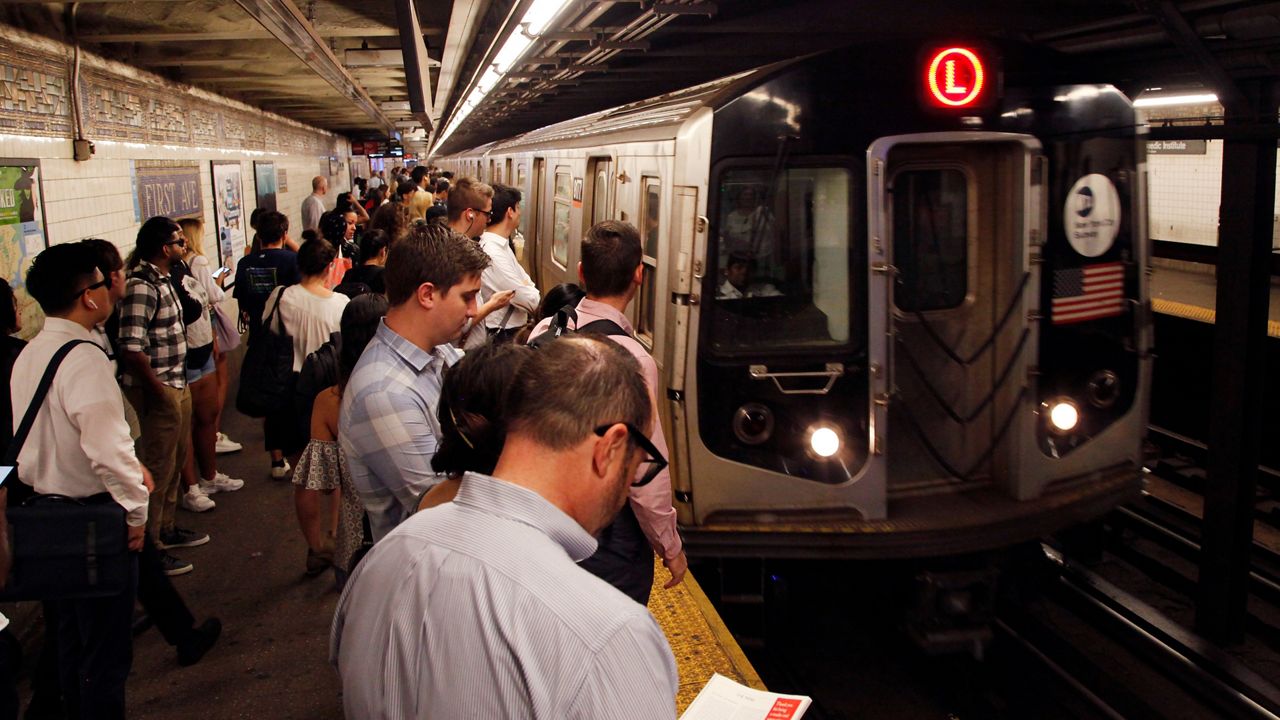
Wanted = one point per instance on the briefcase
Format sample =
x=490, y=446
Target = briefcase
x=67, y=549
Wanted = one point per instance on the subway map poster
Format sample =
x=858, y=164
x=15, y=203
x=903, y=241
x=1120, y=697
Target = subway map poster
x=22, y=234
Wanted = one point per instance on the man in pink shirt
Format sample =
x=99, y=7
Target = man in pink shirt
x=611, y=272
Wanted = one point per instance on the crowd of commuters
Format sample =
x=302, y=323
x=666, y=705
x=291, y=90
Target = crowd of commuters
x=481, y=466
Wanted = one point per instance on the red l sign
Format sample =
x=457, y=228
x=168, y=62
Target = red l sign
x=956, y=77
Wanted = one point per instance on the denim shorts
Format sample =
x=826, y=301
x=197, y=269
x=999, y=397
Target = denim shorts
x=209, y=367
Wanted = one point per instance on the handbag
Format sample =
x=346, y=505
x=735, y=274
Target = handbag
x=266, y=377
x=225, y=330
x=61, y=548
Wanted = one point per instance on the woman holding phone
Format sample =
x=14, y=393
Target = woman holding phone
x=208, y=390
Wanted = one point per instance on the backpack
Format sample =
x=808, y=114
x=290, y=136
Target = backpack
x=191, y=307
x=560, y=327
x=266, y=377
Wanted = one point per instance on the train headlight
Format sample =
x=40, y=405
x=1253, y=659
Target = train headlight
x=824, y=441
x=1064, y=415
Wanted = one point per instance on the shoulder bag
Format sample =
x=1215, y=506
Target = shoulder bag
x=266, y=377
x=61, y=548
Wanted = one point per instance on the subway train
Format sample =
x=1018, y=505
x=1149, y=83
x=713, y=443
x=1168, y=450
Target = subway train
x=897, y=292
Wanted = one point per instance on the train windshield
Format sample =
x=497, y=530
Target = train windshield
x=781, y=260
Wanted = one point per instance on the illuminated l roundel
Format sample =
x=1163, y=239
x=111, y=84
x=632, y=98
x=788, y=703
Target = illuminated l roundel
x=956, y=77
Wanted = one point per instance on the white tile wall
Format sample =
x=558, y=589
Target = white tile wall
x=95, y=198
x=1184, y=192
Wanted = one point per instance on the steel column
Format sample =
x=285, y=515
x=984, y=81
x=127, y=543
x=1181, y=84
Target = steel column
x=1244, y=251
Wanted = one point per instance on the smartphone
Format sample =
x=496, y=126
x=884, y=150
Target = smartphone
x=220, y=272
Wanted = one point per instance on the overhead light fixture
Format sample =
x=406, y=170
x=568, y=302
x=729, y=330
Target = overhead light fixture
x=1168, y=100
x=536, y=19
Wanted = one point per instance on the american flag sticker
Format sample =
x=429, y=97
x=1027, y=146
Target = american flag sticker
x=1088, y=293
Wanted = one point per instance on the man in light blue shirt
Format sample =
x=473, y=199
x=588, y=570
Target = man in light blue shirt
x=476, y=608
x=388, y=428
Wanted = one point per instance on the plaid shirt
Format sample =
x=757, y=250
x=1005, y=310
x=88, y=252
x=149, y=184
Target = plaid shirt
x=151, y=323
x=388, y=427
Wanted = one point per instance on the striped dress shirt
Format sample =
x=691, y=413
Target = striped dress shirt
x=476, y=609
x=387, y=425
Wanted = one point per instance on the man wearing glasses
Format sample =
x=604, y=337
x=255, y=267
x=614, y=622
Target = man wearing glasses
x=153, y=348
x=470, y=207
x=478, y=606
x=611, y=273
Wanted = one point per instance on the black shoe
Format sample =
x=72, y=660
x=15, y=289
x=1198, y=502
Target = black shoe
x=180, y=538
x=173, y=566
x=317, y=562
x=198, y=643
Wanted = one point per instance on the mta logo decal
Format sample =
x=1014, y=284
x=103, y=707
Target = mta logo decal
x=1084, y=202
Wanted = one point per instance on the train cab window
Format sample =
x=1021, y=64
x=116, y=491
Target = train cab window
x=651, y=204
x=560, y=232
x=930, y=239
x=782, y=259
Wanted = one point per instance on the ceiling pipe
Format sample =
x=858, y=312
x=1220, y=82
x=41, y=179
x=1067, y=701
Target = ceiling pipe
x=289, y=25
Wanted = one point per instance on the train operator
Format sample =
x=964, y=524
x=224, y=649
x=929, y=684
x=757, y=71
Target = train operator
x=475, y=608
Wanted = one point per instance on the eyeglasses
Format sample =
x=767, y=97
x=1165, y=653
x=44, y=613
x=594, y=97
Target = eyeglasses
x=652, y=465
x=487, y=213
x=104, y=282
x=177, y=242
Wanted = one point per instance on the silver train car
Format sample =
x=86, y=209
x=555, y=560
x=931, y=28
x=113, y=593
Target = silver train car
x=897, y=293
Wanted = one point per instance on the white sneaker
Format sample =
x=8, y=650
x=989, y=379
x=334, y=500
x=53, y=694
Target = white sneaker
x=281, y=472
x=195, y=500
x=221, y=482
x=226, y=445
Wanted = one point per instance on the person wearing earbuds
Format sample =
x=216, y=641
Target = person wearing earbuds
x=470, y=207
x=80, y=446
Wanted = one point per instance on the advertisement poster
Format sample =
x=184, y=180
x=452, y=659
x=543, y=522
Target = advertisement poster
x=167, y=187
x=228, y=212
x=264, y=177
x=21, y=233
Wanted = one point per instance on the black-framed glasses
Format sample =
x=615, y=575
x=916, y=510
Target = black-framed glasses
x=104, y=282
x=183, y=241
x=653, y=464
x=487, y=213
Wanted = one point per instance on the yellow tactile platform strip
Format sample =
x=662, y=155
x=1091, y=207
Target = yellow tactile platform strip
x=1201, y=314
x=699, y=640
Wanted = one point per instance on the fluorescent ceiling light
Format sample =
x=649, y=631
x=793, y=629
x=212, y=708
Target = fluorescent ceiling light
x=536, y=19
x=1167, y=100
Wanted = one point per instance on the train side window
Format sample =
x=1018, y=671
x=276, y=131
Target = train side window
x=782, y=259
x=651, y=205
x=563, y=202
x=930, y=239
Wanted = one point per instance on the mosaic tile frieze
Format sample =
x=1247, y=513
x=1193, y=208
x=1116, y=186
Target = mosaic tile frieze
x=34, y=97
x=128, y=105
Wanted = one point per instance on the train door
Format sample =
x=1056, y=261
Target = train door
x=527, y=251
x=951, y=258
x=557, y=225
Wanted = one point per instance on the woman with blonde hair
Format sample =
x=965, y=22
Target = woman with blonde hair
x=208, y=383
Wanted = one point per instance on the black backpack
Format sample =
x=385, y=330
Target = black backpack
x=266, y=377
x=560, y=327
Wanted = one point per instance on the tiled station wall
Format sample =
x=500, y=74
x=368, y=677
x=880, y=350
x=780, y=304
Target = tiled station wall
x=132, y=115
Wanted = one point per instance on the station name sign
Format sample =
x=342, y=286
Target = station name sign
x=1177, y=147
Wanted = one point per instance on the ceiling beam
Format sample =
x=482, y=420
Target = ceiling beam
x=290, y=26
x=246, y=34
x=464, y=24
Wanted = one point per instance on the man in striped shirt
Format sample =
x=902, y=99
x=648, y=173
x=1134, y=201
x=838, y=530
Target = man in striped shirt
x=477, y=608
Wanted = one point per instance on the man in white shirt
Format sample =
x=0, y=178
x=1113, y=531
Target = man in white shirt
x=470, y=206
x=79, y=447
x=504, y=271
x=475, y=608
x=313, y=206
